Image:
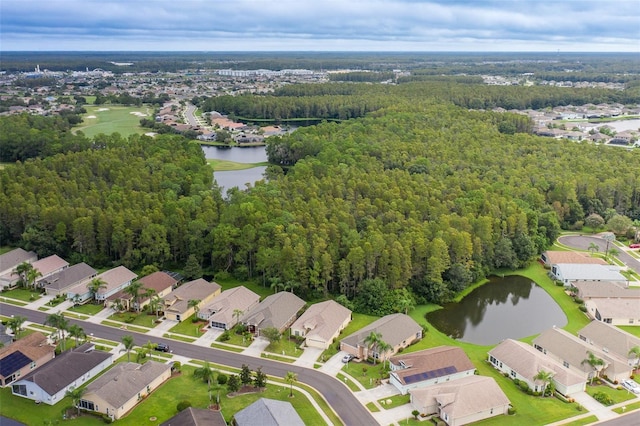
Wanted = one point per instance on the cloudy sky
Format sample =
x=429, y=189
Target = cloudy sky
x=321, y=25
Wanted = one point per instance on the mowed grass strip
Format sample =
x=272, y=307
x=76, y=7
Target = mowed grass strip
x=109, y=119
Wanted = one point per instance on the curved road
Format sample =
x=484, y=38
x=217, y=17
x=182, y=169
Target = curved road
x=582, y=242
x=338, y=396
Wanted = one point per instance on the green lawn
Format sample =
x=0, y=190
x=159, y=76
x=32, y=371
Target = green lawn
x=276, y=357
x=617, y=395
x=237, y=339
x=113, y=118
x=583, y=421
x=124, y=326
x=348, y=382
x=230, y=282
x=142, y=319
x=396, y=401
x=372, y=407
x=22, y=294
x=12, y=302
x=87, y=308
x=225, y=166
x=226, y=347
x=179, y=337
x=627, y=408
x=190, y=328
x=367, y=374
x=285, y=347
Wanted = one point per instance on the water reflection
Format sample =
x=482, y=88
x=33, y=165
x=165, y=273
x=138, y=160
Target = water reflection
x=510, y=307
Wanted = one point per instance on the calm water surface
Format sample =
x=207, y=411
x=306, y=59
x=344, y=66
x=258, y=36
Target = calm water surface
x=511, y=307
x=237, y=178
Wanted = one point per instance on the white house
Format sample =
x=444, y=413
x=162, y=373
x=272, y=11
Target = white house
x=568, y=272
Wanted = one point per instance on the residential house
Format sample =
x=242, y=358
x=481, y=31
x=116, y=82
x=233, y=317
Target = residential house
x=278, y=310
x=69, y=370
x=587, y=290
x=429, y=367
x=196, y=417
x=114, y=279
x=49, y=266
x=573, y=353
x=568, y=272
x=268, y=412
x=58, y=283
x=462, y=401
x=8, y=263
x=225, y=311
x=614, y=311
x=612, y=340
x=551, y=257
x=397, y=330
x=322, y=323
x=160, y=282
x=523, y=362
x=24, y=356
x=176, y=303
x=118, y=390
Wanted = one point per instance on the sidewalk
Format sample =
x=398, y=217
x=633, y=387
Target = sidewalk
x=308, y=357
x=257, y=347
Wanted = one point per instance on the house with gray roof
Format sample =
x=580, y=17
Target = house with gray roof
x=72, y=276
x=119, y=390
x=614, y=311
x=459, y=402
x=224, y=311
x=268, y=412
x=612, y=339
x=573, y=352
x=523, y=362
x=605, y=290
x=397, y=330
x=176, y=303
x=196, y=417
x=70, y=369
x=429, y=367
x=115, y=279
x=23, y=356
x=278, y=310
x=8, y=263
x=322, y=323
x=568, y=272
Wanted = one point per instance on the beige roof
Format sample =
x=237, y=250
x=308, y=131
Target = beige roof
x=116, y=277
x=34, y=346
x=596, y=289
x=50, y=264
x=13, y=258
x=438, y=362
x=200, y=289
x=228, y=301
x=322, y=319
x=528, y=362
x=124, y=381
x=615, y=308
x=608, y=336
x=274, y=311
x=556, y=257
x=462, y=397
x=395, y=329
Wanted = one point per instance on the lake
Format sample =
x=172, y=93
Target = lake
x=511, y=307
x=237, y=178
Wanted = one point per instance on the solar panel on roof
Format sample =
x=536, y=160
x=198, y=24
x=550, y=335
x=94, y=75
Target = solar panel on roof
x=12, y=363
x=432, y=374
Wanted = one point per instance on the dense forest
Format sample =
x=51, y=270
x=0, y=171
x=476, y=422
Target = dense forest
x=418, y=197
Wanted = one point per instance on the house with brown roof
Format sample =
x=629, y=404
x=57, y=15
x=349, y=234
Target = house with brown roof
x=114, y=279
x=321, y=324
x=69, y=370
x=24, y=356
x=573, y=352
x=611, y=339
x=176, y=303
x=72, y=276
x=460, y=402
x=160, y=282
x=120, y=389
x=8, y=263
x=196, y=417
x=429, y=367
x=551, y=257
x=397, y=330
x=224, y=311
x=278, y=311
x=521, y=361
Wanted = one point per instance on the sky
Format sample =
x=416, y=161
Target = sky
x=321, y=25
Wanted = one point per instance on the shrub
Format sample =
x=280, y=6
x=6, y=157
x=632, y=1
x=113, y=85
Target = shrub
x=224, y=336
x=578, y=300
x=176, y=366
x=222, y=379
x=107, y=419
x=603, y=398
x=129, y=319
x=183, y=405
x=559, y=283
x=511, y=411
x=583, y=308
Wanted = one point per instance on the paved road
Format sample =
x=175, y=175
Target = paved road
x=339, y=397
x=582, y=242
x=631, y=419
x=190, y=116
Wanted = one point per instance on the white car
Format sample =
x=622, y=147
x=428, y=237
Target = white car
x=631, y=386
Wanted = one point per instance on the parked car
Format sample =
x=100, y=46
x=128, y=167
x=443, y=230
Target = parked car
x=347, y=358
x=631, y=386
x=634, y=245
x=162, y=347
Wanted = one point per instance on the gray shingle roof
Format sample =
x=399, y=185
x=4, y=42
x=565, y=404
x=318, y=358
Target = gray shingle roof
x=229, y=300
x=268, y=412
x=196, y=417
x=322, y=319
x=70, y=276
x=274, y=310
x=15, y=257
x=592, y=289
x=199, y=289
x=395, y=329
x=614, y=339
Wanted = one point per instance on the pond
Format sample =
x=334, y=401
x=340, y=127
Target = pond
x=511, y=307
x=237, y=178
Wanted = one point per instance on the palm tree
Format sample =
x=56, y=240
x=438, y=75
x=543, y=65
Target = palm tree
x=237, y=313
x=276, y=283
x=613, y=252
x=593, y=247
x=195, y=304
x=76, y=395
x=635, y=352
x=127, y=341
x=94, y=287
x=596, y=363
x=149, y=347
x=15, y=324
x=545, y=377
x=61, y=324
x=291, y=378
x=155, y=303
x=77, y=332
x=372, y=340
x=405, y=302
x=383, y=348
x=133, y=290
x=32, y=276
x=21, y=270
x=205, y=373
